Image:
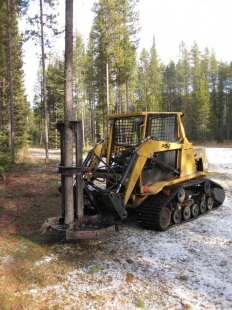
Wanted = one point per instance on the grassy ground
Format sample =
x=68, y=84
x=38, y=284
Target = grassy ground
x=27, y=197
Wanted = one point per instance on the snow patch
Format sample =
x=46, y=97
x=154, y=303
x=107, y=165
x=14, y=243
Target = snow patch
x=46, y=259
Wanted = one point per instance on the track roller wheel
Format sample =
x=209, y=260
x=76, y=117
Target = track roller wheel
x=180, y=195
x=209, y=203
x=164, y=218
x=186, y=213
x=202, y=207
x=176, y=216
x=195, y=210
x=206, y=187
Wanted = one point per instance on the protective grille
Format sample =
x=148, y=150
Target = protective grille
x=163, y=127
x=126, y=132
x=126, y=136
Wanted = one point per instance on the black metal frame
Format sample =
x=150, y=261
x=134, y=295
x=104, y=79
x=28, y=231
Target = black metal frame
x=77, y=170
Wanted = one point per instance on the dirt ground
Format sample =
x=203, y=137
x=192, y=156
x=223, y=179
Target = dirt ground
x=187, y=267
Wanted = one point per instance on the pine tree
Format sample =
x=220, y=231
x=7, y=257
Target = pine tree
x=114, y=38
x=124, y=50
x=142, y=88
x=200, y=94
x=223, y=91
x=201, y=109
x=205, y=63
x=13, y=104
x=184, y=86
x=213, y=88
x=170, y=93
x=155, y=102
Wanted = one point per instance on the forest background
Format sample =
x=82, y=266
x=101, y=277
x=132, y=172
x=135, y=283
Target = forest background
x=197, y=83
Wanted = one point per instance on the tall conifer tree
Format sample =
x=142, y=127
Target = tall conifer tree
x=200, y=93
x=184, y=85
x=170, y=88
x=155, y=82
x=13, y=104
x=114, y=39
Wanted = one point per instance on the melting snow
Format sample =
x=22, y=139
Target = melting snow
x=46, y=259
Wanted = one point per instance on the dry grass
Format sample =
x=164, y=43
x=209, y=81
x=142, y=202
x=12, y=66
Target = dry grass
x=27, y=197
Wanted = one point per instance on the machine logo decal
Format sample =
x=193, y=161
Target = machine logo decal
x=165, y=145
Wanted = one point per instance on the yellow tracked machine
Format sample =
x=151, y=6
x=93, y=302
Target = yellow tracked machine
x=146, y=166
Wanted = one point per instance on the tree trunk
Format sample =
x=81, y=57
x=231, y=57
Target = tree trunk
x=92, y=119
x=44, y=84
x=83, y=125
x=107, y=89
x=127, y=97
x=92, y=106
x=11, y=122
x=68, y=110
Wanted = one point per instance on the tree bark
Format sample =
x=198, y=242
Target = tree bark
x=44, y=84
x=127, y=97
x=68, y=110
x=107, y=89
x=83, y=126
x=11, y=122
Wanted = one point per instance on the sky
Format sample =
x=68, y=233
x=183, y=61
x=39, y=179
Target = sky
x=208, y=22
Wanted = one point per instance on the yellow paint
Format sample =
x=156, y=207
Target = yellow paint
x=158, y=186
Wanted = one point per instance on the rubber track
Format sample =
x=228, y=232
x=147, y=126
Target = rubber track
x=149, y=212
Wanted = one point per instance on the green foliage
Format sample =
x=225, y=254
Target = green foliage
x=197, y=85
x=155, y=82
x=114, y=43
x=4, y=150
x=171, y=100
x=152, y=92
x=142, y=81
x=11, y=80
x=200, y=96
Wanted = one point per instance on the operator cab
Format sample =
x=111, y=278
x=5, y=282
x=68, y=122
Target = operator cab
x=129, y=130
